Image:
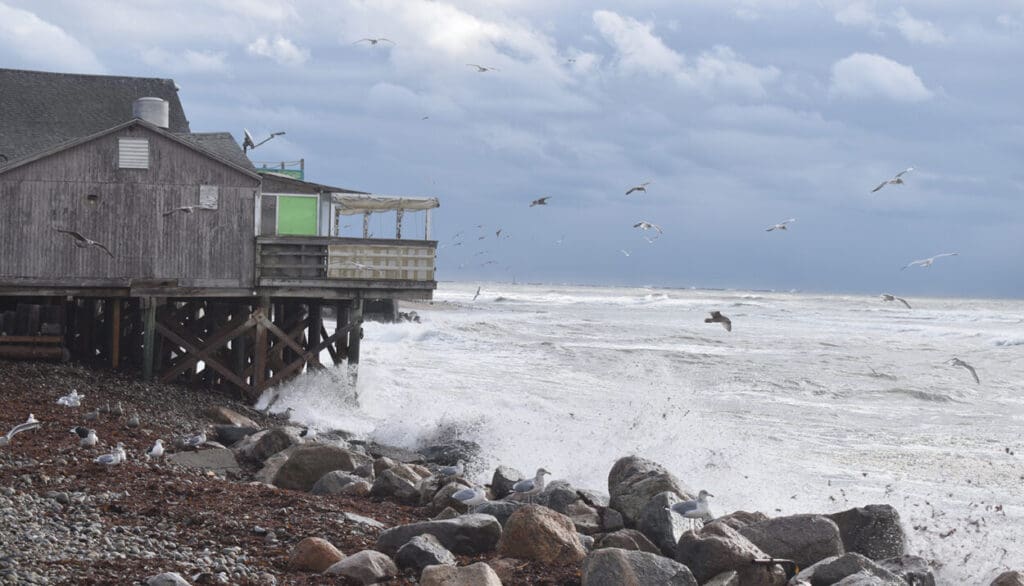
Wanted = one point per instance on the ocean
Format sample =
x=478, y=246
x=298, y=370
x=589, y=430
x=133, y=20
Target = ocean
x=813, y=403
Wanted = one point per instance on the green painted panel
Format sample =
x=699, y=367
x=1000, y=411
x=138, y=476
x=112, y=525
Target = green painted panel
x=297, y=215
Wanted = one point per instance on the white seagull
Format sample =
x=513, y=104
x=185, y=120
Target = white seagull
x=90, y=439
x=115, y=457
x=482, y=68
x=624, y=251
x=27, y=426
x=529, y=488
x=83, y=242
x=72, y=399
x=957, y=362
x=781, y=225
x=456, y=470
x=927, y=262
x=373, y=42
x=645, y=226
x=891, y=297
x=642, y=187
x=896, y=180
x=695, y=509
x=195, y=441
x=157, y=450
x=470, y=497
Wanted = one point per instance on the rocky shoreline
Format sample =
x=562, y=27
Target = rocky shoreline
x=263, y=502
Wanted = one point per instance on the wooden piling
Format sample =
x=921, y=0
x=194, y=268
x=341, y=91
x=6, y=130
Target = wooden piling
x=148, y=337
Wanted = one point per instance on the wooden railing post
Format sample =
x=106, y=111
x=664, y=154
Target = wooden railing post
x=148, y=337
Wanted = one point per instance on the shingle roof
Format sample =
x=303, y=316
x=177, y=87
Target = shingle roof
x=221, y=144
x=273, y=183
x=39, y=110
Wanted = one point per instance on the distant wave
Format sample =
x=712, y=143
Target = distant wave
x=922, y=395
x=1009, y=342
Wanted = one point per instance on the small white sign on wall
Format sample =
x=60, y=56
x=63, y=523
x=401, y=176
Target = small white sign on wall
x=209, y=196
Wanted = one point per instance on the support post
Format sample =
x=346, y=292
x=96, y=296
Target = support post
x=366, y=225
x=115, y=333
x=316, y=324
x=355, y=335
x=426, y=227
x=259, y=361
x=398, y=224
x=148, y=337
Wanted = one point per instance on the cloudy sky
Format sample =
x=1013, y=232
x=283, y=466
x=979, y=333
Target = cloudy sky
x=741, y=113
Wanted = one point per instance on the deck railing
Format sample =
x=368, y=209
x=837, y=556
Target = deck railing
x=327, y=260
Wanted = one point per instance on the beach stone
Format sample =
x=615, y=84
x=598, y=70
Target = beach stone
x=443, y=497
x=538, y=533
x=740, y=519
x=381, y=464
x=633, y=568
x=720, y=548
x=611, y=520
x=587, y=541
x=502, y=481
x=422, y=551
x=361, y=520
x=629, y=539
x=428, y=487
x=1011, y=578
x=500, y=510
x=309, y=462
x=219, y=460
x=730, y=578
x=805, y=539
x=634, y=481
x=585, y=517
x=874, y=531
x=598, y=500
x=863, y=579
x=221, y=414
x=365, y=470
x=833, y=569
x=313, y=554
x=399, y=482
x=478, y=574
x=447, y=513
x=166, y=579
x=662, y=527
x=333, y=482
x=358, y=488
x=913, y=569
x=467, y=534
x=505, y=568
x=557, y=495
x=264, y=444
x=421, y=470
x=449, y=454
x=230, y=435
x=365, y=567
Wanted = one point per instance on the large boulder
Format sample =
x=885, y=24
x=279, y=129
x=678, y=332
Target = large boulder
x=467, y=534
x=633, y=568
x=264, y=444
x=334, y=482
x=863, y=579
x=558, y=495
x=308, y=463
x=539, y=533
x=739, y=519
x=661, y=526
x=730, y=578
x=450, y=453
x=167, y=579
x=630, y=539
x=219, y=460
x=443, y=497
x=478, y=574
x=634, y=481
x=585, y=517
x=1011, y=578
x=501, y=510
x=833, y=569
x=422, y=551
x=221, y=414
x=873, y=531
x=399, y=482
x=313, y=554
x=805, y=539
x=719, y=548
x=230, y=435
x=915, y=570
x=503, y=479
x=365, y=567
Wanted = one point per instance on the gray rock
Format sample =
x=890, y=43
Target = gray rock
x=740, y=519
x=1011, y=578
x=265, y=444
x=308, y=463
x=805, y=539
x=634, y=481
x=662, y=527
x=365, y=567
x=593, y=498
x=873, y=531
x=166, y=579
x=443, y=497
x=365, y=470
x=361, y=488
x=633, y=568
x=478, y=574
x=272, y=465
x=503, y=480
x=361, y=520
x=557, y=495
x=447, y=513
x=831, y=570
x=333, y=482
x=611, y=520
x=221, y=414
x=398, y=482
x=467, y=534
x=394, y=453
x=719, y=548
x=863, y=579
x=230, y=435
x=587, y=541
x=449, y=454
x=219, y=460
x=422, y=551
x=724, y=579
x=382, y=463
x=630, y=539
x=585, y=517
x=915, y=570
x=500, y=510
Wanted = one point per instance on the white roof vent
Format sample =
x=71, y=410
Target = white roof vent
x=156, y=111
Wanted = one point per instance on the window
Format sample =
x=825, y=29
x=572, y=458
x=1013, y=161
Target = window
x=132, y=153
x=209, y=196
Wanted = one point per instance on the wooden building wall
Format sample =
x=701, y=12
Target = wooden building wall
x=202, y=249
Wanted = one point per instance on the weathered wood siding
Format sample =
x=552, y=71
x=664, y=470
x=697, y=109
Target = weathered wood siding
x=203, y=249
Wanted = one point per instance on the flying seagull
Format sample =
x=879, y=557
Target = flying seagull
x=927, y=262
x=373, y=42
x=482, y=68
x=896, y=180
x=624, y=251
x=645, y=226
x=477, y=293
x=718, y=318
x=83, y=242
x=781, y=225
x=543, y=201
x=891, y=297
x=28, y=425
x=188, y=209
x=957, y=362
x=642, y=187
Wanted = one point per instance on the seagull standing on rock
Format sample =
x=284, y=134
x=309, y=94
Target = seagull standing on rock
x=695, y=509
x=449, y=471
x=470, y=497
x=115, y=457
x=194, y=441
x=157, y=451
x=529, y=488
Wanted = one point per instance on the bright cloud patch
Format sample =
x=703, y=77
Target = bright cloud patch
x=46, y=45
x=187, y=62
x=279, y=49
x=918, y=31
x=866, y=75
x=639, y=50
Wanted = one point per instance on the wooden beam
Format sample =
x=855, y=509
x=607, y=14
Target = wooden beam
x=115, y=332
x=288, y=340
x=148, y=337
x=196, y=353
